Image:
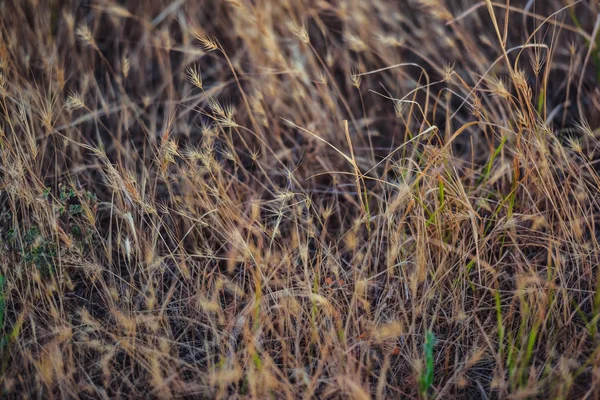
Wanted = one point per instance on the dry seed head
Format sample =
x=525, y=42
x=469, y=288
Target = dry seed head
x=127, y=323
x=436, y=9
x=388, y=331
x=47, y=114
x=89, y=213
x=327, y=211
x=288, y=172
x=206, y=129
x=191, y=153
x=69, y=20
x=130, y=189
x=447, y=71
x=584, y=127
x=3, y=55
x=126, y=66
x=498, y=88
x=540, y=142
x=226, y=375
x=207, y=42
x=2, y=85
x=257, y=103
x=544, y=128
x=228, y=154
x=119, y=11
x=321, y=78
x=227, y=122
x=223, y=115
x=75, y=101
x=575, y=144
x=308, y=201
x=521, y=117
x=401, y=199
x=168, y=153
x=399, y=108
x=390, y=40
x=354, y=78
x=520, y=79
x=127, y=247
x=192, y=74
x=60, y=78
x=537, y=61
x=476, y=106
x=208, y=145
x=329, y=59
x=208, y=160
x=215, y=107
x=229, y=111
x=206, y=305
x=255, y=155
x=572, y=48
x=300, y=32
x=284, y=197
x=85, y=35
x=356, y=43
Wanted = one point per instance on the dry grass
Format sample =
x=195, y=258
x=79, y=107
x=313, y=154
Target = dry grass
x=300, y=198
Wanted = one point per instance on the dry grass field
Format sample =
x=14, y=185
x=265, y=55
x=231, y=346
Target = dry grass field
x=300, y=199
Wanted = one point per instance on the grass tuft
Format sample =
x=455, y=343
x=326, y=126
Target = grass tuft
x=318, y=199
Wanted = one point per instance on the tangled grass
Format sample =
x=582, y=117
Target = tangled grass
x=299, y=198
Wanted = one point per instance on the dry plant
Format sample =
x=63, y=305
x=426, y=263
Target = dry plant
x=300, y=199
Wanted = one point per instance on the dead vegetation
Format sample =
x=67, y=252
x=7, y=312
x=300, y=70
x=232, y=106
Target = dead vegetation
x=298, y=199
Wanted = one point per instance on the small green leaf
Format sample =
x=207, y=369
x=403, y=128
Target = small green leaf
x=426, y=377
